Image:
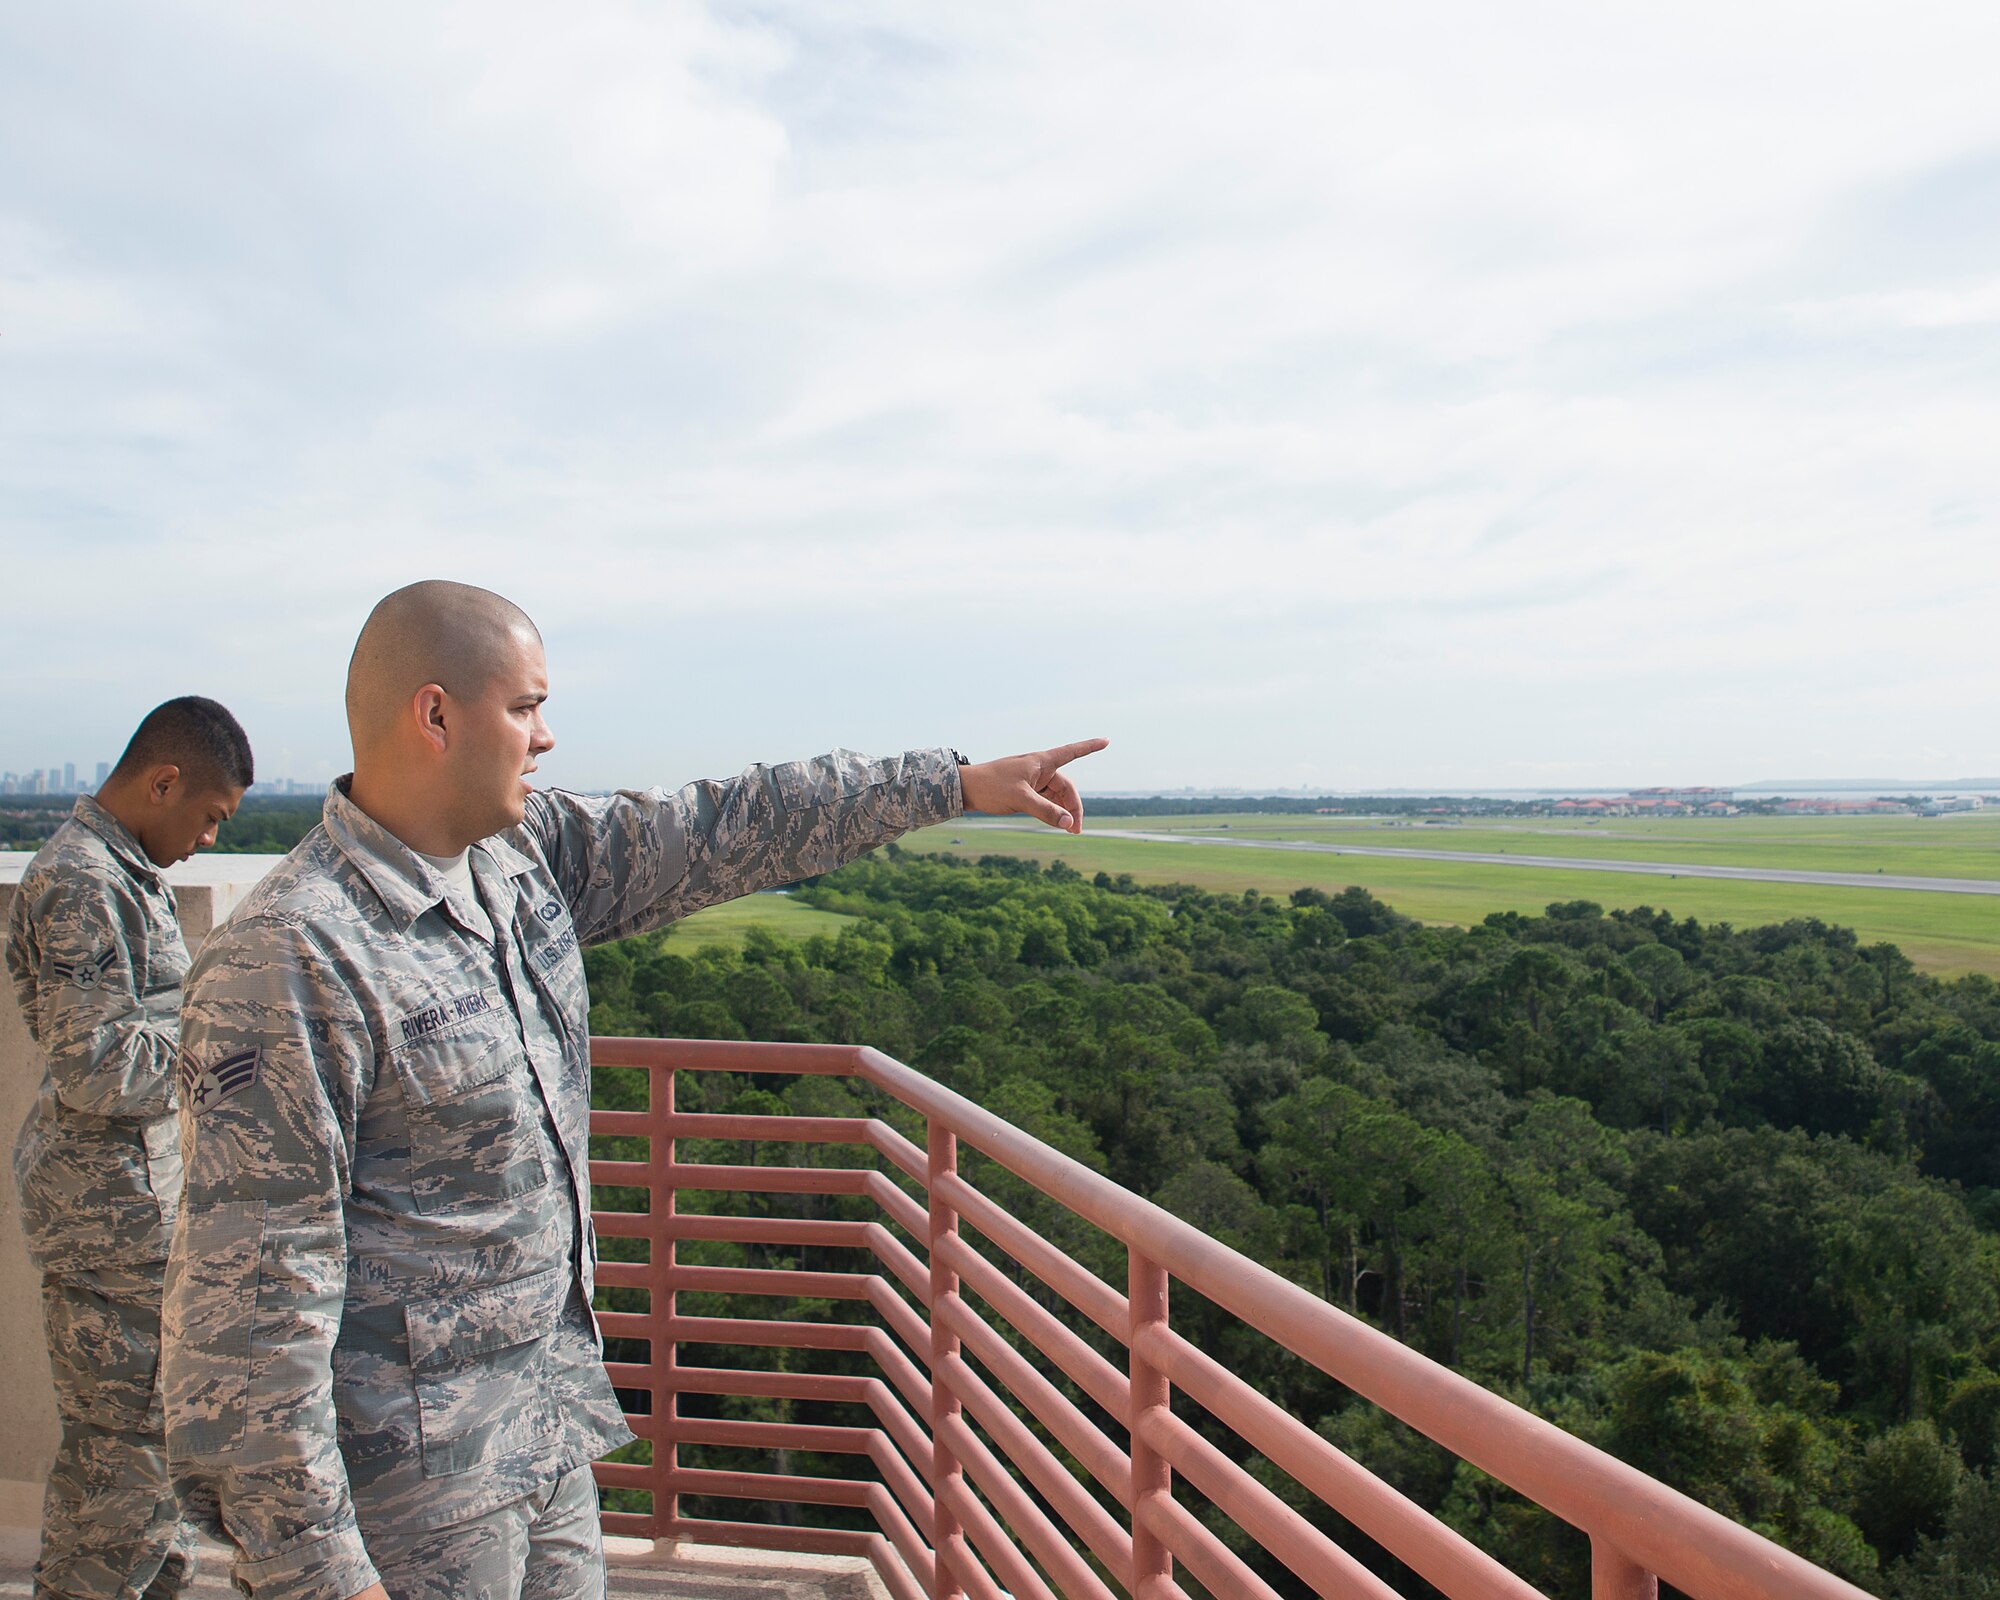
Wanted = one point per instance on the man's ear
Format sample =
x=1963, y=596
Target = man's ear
x=160, y=783
x=428, y=708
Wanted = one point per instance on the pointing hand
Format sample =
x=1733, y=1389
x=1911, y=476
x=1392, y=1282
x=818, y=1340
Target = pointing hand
x=1031, y=785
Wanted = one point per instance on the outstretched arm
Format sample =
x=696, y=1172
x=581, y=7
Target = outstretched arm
x=639, y=859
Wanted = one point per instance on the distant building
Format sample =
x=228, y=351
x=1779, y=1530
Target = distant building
x=1945, y=804
x=1842, y=808
x=1698, y=796
x=103, y=772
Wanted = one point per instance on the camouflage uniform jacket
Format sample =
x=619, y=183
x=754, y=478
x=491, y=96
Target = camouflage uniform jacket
x=97, y=960
x=377, y=1306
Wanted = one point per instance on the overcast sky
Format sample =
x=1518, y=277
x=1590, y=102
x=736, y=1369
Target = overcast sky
x=1417, y=395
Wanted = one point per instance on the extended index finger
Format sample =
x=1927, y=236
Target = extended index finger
x=1063, y=754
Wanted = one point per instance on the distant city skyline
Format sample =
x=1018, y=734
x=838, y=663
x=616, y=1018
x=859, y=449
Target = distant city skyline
x=1438, y=397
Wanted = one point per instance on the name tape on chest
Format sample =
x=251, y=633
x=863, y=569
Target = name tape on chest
x=442, y=1015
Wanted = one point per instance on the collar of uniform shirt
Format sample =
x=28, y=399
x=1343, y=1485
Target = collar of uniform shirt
x=114, y=833
x=457, y=874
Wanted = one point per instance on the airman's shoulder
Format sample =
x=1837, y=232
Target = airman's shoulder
x=314, y=897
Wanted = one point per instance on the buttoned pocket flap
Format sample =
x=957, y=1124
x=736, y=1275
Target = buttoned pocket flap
x=472, y=1322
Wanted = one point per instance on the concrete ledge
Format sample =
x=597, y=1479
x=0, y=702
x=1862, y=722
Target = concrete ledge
x=640, y=1570
x=639, y=1567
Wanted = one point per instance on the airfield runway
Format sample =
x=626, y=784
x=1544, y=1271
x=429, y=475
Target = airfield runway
x=1651, y=869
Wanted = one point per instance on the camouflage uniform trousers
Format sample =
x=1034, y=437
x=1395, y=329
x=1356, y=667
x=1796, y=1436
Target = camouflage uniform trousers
x=548, y=1546
x=111, y=1527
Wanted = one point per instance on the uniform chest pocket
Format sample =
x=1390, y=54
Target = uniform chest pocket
x=477, y=1359
x=474, y=1121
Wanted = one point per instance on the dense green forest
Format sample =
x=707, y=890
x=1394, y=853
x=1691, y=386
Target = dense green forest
x=1722, y=1201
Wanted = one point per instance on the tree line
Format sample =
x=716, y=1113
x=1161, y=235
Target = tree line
x=1722, y=1201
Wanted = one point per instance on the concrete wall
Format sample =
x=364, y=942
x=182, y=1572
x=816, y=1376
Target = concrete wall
x=207, y=890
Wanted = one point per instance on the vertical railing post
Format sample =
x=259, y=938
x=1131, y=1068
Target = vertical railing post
x=1152, y=1477
x=947, y=1475
x=665, y=1346
x=1616, y=1576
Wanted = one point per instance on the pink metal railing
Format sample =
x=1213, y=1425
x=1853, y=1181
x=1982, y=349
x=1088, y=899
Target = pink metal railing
x=954, y=1456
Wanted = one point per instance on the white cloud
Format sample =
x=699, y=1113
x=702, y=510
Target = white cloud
x=1414, y=396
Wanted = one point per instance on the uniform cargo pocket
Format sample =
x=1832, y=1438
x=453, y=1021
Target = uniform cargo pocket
x=477, y=1359
x=474, y=1123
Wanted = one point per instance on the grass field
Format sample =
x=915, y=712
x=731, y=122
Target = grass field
x=1963, y=846
x=1942, y=933
x=726, y=924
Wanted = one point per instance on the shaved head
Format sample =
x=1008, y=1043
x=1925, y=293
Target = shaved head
x=450, y=634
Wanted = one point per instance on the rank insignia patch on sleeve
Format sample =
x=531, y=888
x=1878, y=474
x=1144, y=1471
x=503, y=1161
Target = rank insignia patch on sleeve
x=84, y=974
x=231, y=1075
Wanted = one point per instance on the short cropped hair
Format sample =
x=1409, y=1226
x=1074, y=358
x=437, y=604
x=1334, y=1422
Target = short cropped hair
x=196, y=734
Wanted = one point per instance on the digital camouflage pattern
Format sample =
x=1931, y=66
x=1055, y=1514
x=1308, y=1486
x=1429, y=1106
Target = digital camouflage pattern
x=111, y=1526
x=549, y=1546
x=96, y=957
x=378, y=1302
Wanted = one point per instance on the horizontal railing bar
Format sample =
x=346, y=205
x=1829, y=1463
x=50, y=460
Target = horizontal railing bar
x=728, y=1055
x=889, y=1356
x=774, y=1282
x=1074, y=1503
x=1325, y=1567
x=840, y=1235
x=790, y=1487
x=631, y=1275
x=900, y=1151
x=867, y=1181
x=1437, y=1553
x=1097, y=1377
x=745, y=1180
x=730, y=1434
x=895, y=1311
x=985, y=1533
x=1061, y=1271
x=761, y=1331
x=872, y=1236
x=623, y=1224
x=629, y=1524
x=1029, y=1522
x=758, y=1128
x=632, y=1375
x=1218, y=1569
x=627, y=1324
x=970, y=1570
x=871, y=1442
x=838, y=1388
x=898, y=1206
x=1047, y=1404
x=627, y=1124
x=913, y=1548
x=869, y=1131
x=901, y=1260
x=1688, y=1545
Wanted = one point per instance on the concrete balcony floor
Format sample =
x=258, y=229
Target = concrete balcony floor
x=638, y=1572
